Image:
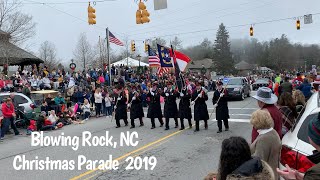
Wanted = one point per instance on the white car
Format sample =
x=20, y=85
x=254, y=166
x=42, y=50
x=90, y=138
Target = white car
x=295, y=143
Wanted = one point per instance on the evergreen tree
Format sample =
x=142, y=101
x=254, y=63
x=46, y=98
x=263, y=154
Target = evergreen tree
x=222, y=56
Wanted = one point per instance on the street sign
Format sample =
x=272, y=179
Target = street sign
x=308, y=19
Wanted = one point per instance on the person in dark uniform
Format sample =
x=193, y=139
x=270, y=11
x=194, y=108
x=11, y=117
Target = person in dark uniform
x=120, y=107
x=220, y=102
x=184, y=107
x=135, y=105
x=154, y=110
x=199, y=98
x=170, y=105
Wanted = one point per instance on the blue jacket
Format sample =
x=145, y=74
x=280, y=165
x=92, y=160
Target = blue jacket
x=306, y=89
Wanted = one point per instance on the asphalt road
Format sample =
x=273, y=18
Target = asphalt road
x=179, y=154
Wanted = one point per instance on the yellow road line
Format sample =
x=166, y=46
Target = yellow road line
x=90, y=177
x=128, y=154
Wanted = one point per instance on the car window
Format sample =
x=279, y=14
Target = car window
x=303, y=131
x=299, y=117
x=20, y=99
x=235, y=82
x=2, y=98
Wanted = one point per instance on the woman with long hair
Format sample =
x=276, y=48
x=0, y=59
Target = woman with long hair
x=288, y=109
x=298, y=98
x=236, y=162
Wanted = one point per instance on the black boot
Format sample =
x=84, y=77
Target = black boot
x=182, y=124
x=176, y=122
x=141, y=122
x=190, y=124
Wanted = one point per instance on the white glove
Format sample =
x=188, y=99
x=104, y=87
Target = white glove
x=129, y=105
x=181, y=94
x=165, y=89
x=167, y=94
x=215, y=105
x=222, y=94
x=200, y=95
x=152, y=93
x=115, y=107
x=192, y=103
x=134, y=98
x=119, y=98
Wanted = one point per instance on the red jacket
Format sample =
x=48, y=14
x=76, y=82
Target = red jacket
x=32, y=126
x=7, y=111
x=277, y=120
x=47, y=122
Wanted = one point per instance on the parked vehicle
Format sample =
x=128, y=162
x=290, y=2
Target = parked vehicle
x=263, y=82
x=238, y=87
x=21, y=99
x=295, y=143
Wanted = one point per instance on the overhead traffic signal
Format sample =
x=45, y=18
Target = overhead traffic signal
x=251, y=31
x=133, y=46
x=142, y=14
x=298, y=24
x=91, y=15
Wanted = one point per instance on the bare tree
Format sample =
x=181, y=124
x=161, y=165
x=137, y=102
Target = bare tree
x=48, y=53
x=176, y=43
x=20, y=26
x=83, y=54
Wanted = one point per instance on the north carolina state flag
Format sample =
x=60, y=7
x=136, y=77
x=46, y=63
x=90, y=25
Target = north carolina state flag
x=181, y=59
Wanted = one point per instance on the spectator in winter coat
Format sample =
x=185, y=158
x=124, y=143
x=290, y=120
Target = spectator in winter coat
x=268, y=141
x=266, y=100
x=32, y=127
x=306, y=88
x=9, y=114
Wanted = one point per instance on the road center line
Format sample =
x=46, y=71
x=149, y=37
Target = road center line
x=128, y=154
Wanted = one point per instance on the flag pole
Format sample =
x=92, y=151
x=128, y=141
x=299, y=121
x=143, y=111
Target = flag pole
x=108, y=54
x=100, y=51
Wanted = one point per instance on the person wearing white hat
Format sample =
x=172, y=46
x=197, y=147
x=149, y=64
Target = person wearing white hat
x=266, y=100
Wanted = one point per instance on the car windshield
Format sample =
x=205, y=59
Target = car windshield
x=262, y=81
x=235, y=82
x=303, y=131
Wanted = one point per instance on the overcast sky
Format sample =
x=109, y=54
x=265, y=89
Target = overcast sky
x=190, y=20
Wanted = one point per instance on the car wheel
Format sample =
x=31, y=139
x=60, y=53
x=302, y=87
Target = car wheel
x=242, y=96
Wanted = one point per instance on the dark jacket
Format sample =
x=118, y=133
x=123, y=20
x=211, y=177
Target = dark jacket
x=313, y=172
x=306, y=88
x=136, y=110
x=200, y=106
x=222, y=110
x=285, y=87
x=184, y=105
x=255, y=168
x=121, y=110
x=170, y=105
x=154, y=110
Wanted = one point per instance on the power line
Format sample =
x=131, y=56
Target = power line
x=234, y=26
x=203, y=14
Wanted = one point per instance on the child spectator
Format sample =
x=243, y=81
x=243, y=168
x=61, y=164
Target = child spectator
x=108, y=101
x=32, y=127
x=86, y=109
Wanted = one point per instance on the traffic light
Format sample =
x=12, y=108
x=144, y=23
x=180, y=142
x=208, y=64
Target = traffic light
x=251, y=31
x=298, y=24
x=91, y=15
x=133, y=46
x=142, y=14
x=146, y=46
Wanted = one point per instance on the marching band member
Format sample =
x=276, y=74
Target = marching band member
x=135, y=105
x=120, y=107
x=222, y=111
x=170, y=105
x=184, y=107
x=154, y=110
x=199, y=98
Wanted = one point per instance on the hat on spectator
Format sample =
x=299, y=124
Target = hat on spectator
x=43, y=113
x=314, y=130
x=266, y=96
x=219, y=83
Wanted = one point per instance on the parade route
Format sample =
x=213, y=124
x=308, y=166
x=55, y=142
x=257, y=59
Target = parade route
x=180, y=154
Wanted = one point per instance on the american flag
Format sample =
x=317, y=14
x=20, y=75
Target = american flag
x=114, y=40
x=163, y=70
x=154, y=60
